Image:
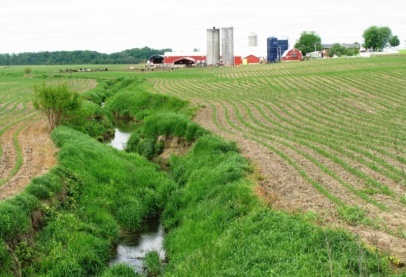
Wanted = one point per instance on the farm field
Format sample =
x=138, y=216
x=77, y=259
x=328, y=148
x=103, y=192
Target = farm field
x=26, y=148
x=327, y=136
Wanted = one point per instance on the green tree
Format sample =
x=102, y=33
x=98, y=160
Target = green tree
x=57, y=101
x=377, y=37
x=336, y=50
x=308, y=42
x=341, y=50
x=394, y=41
x=27, y=71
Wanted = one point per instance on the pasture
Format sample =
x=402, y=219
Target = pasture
x=326, y=137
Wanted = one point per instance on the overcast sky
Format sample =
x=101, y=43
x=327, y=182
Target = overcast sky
x=113, y=26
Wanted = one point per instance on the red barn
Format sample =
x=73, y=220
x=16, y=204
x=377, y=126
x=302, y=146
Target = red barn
x=252, y=59
x=292, y=55
x=184, y=58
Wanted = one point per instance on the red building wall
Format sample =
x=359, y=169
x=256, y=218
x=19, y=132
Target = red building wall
x=172, y=59
x=237, y=60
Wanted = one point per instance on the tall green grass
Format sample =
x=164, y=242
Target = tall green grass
x=218, y=227
x=95, y=193
x=93, y=120
x=137, y=103
x=109, y=87
x=149, y=140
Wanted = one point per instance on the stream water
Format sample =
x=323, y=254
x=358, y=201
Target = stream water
x=132, y=248
x=122, y=133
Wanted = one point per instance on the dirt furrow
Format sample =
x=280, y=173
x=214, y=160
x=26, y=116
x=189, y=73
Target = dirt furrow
x=39, y=155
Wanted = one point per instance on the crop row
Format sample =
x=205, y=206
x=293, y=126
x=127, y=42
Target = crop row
x=339, y=125
x=17, y=114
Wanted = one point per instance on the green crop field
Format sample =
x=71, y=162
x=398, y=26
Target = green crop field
x=327, y=136
x=326, y=139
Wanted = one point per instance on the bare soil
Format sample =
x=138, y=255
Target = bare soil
x=38, y=155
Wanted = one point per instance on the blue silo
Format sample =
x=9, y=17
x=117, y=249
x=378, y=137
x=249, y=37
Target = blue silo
x=272, y=49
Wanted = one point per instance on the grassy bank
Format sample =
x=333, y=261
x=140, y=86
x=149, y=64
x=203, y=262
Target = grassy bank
x=218, y=227
x=95, y=193
x=139, y=104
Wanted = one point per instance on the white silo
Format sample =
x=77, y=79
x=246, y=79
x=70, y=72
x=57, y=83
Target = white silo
x=213, y=46
x=227, y=47
x=252, y=40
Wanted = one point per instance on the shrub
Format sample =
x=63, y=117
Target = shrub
x=56, y=101
x=27, y=71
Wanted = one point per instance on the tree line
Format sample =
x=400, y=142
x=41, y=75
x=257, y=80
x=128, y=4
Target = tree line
x=129, y=56
x=375, y=38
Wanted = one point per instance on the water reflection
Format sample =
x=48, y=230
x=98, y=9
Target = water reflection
x=132, y=248
x=120, y=139
x=123, y=130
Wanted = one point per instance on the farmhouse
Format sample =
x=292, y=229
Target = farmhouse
x=292, y=55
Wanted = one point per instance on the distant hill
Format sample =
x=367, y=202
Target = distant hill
x=129, y=56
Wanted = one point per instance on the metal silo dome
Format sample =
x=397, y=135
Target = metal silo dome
x=252, y=40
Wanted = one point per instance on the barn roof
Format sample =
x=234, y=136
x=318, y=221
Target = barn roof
x=183, y=54
x=153, y=56
x=287, y=51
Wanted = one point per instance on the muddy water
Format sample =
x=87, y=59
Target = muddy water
x=132, y=248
